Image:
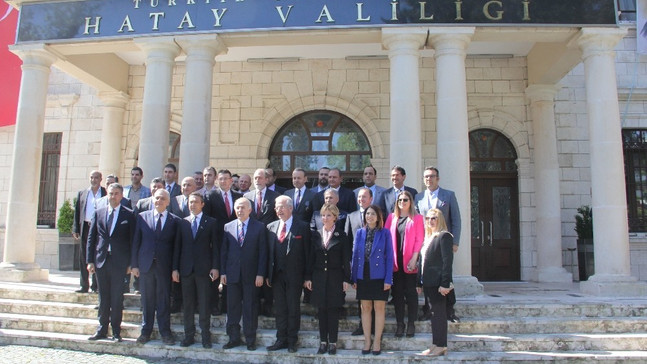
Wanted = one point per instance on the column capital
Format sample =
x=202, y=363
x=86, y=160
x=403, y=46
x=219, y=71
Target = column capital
x=542, y=92
x=159, y=48
x=404, y=40
x=450, y=40
x=594, y=41
x=114, y=98
x=34, y=54
x=208, y=45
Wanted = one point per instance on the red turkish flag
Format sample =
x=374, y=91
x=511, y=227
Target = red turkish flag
x=10, y=71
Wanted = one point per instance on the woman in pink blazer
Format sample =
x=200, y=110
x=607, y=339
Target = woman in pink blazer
x=407, y=234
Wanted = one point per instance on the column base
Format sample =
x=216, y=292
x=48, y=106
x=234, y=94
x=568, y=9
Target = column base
x=554, y=275
x=22, y=272
x=613, y=285
x=467, y=286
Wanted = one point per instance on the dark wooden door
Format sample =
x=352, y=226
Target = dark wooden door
x=495, y=228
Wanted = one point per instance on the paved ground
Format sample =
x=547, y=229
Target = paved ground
x=34, y=355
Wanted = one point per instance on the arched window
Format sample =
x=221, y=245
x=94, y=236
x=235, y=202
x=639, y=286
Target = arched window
x=491, y=151
x=320, y=138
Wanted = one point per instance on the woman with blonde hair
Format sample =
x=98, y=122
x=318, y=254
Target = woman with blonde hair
x=407, y=233
x=435, y=277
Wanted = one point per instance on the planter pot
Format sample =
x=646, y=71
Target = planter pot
x=585, y=258
x=69, y=252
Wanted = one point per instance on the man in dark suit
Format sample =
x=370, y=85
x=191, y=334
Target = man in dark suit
x=243, y=269
x=347, y=201
x=369, y=176
x=288, y=242
x=387, y=201
x=180, y=204
x=156, y=235
x=271, y=178
x=170, y=175
x=83, y=213
x=444, y=200
x=109, y=248
x=148, y=203
x=262, y=199
x=219, y=204
x=322, y=180
x=301, y=196
x=197, y=261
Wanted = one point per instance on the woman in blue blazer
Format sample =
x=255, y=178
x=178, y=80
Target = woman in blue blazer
x=372, y=274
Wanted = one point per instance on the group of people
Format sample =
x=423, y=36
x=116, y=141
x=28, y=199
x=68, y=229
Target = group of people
x=261, y=249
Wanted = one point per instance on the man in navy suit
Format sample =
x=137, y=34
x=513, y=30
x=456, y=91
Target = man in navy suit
x=83, y=213
x=109, y=248
x=301, y=196
x=170, y=174
x=243, y=269
x=288, y=242
x=196, y=263
x=156, y=235
x=347, y=201
x=444, y=200
x=387, y=201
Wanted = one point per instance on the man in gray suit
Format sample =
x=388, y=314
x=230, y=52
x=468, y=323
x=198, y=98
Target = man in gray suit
x=444, y=200
x=369, y=176
x=180, y=204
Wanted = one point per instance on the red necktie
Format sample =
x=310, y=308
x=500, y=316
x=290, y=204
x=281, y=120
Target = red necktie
x=283, y=233
x=227, y=206
x=259, y=204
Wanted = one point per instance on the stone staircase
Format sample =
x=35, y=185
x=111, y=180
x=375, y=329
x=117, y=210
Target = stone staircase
x=492, y=330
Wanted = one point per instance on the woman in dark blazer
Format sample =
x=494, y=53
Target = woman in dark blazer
x=435, y=277
x=330, y=267
x=372, y=274
x=407, y=234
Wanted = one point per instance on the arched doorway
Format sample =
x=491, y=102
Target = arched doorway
x=495, y=207
x=319, y=138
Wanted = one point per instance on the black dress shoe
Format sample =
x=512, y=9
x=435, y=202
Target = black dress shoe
x=426, y=316
x=187, y=342
x=97, y=336
x=231, y=344
x=323, y=348
x=168, y=340
x=411, y=329
x=358, y=331
x=215, y=312
x=332, y=349
x=278, y=345
x=81, y=290
x=399, y=331
x=366, y=352
x=453, y=318
x=377, y=352
x=117, y=338
x=292, y=348
x=251, y=346
x=206, y=344
x=143, y=339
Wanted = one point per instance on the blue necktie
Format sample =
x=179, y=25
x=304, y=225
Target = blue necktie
x=194, y=227
x=110, y=218
x=241, y=234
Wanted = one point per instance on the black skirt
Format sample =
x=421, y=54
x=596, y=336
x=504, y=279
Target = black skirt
x=371, y=289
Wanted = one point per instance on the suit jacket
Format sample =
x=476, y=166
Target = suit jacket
x=329, y=268
x=436, y=261
x=278, y=189
x=380, y=258
x=79, y=209
x=298, y=250
x=215, y=206
x=243, y=263
x=377, y=195
x=353, y=223
x=178, y=207
x=413, y=238
x=197, y=255
x=305, y=209
x=347, y=200
x=175, y=191
x=267, y=213
x=148, y=244
x=387, y=201
x=120, y=241
x=145, y=204
x=448, y=205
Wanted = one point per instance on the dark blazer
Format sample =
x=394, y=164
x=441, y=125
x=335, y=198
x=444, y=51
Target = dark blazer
x=197, y=255
x=79, y=209
x=214, y=206
x=379, y=190
x=448, y=205
x=380, y=259
x=279, y=189
x=243, y=264
x=329, y=269
x=147, y=244
x=298, y=250
x=305, y=209
x=120, y=241
x=353, y=223
x=347, y=200
x=438, y=258
x=176, y=207
x=175, y=191
x=267, y=213
x=387, y=202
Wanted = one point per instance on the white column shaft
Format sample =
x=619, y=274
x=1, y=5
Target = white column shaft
x=156, y=106
x=114, y=108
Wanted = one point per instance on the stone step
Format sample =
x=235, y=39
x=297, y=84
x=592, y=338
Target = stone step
x=466, y=326
x=310, y=338
x=155, y=349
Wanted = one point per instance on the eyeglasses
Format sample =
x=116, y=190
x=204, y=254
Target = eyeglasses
x=403, y=200
x=434, y=218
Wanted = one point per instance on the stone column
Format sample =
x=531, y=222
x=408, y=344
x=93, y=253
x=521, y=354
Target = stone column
x=406, y=133
x=18, y=261
x=609, y=204
x=547, y=196
x=452, y=140
x=114, y=108
x=156, y=106
x=196, y=120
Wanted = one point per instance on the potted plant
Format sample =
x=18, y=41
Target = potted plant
x=584, y=230
x=68, y=248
